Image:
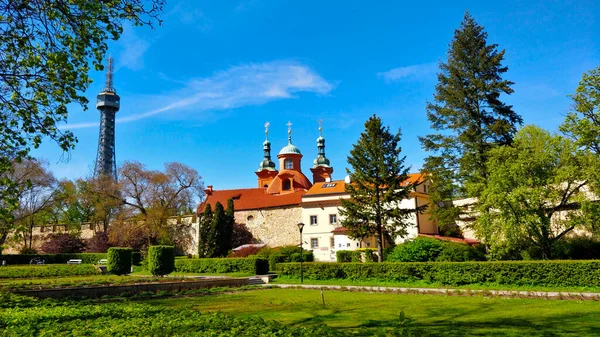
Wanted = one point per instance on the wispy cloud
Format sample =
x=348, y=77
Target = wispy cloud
x=191, y=16
x=243, y=85
x=132, y=49
x=409, y=73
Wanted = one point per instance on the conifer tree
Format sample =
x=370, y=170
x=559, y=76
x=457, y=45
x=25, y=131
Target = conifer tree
x=469, y=116
x=228, y=229
x=219, y=221
x=376, y=187
x=204, y=232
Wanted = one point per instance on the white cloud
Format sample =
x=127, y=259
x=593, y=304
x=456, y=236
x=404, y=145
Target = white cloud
x=243, y=85
x=409, y=73
x=132, y=49
x=191, y=16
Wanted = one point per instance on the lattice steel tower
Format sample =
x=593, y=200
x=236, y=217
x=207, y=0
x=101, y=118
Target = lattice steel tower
x=108, y=103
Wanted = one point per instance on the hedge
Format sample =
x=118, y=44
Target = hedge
x=86, y=258
x=258, y=266
x=161, y=260
x=537, y=273
x=47, y=271
x=276, y=258
x=119, y=260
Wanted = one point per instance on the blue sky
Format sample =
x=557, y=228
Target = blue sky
x=199, y=89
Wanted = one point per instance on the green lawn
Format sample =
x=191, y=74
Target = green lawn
x=423, y=284
x=440, y=315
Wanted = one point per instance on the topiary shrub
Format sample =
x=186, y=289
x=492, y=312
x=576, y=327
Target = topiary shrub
x=161, y=260
x=119, y=260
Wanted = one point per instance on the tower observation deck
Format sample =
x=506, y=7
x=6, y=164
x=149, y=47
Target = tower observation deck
x=108, y=102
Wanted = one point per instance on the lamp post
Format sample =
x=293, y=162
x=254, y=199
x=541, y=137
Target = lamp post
x=300, y=227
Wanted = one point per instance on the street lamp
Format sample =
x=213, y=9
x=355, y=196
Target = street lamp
x=300, y=227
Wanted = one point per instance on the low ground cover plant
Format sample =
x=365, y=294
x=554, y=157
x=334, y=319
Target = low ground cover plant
x=423, y=249
x=534, y=273
x=25, y=316
x=17, y=272
x=285, y=254
x=254, y=265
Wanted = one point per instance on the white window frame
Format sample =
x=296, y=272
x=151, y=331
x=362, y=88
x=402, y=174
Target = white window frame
x=288, y=164
x=316, y=220
x=336, y=219
x=312, y=241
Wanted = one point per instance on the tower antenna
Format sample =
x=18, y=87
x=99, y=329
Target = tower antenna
x=108, y=83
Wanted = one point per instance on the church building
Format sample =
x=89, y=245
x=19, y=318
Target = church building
x=285, y=197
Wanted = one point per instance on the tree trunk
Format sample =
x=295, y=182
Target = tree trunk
x=379, y=243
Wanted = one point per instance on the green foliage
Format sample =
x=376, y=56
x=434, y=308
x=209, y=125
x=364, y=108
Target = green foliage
x=37, y=271
x=470, y=118
x=343, y=255
x=206, y=233
x=161, y=260
x=422, y=249
x=418, y=250
x=258, y=266
x=47, y=49
x=284, y=254
x=119, y=260
x=86, y=258
x=25, y=316
x=529, y=184
x=377, y=176
x=519, y=273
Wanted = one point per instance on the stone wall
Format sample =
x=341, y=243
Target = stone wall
x=275, y=226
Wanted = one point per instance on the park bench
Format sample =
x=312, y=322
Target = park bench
x=102, y=261
x=74, y=261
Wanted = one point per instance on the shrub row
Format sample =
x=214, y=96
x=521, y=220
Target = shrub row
x=538, y=273
x=274, y=259
x=47, y=271
x=422, y=249
x=119, y=260
x=256, y=266
x=87, y=258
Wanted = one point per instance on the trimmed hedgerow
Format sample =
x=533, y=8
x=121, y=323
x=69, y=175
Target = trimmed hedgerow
x=258, y=266
x=86, y=258
x=343, y=255
x=47, y=271
x=538, y=273
x=119, y=260
x=161, y=260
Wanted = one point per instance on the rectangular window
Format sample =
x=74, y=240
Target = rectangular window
x=314, y=243
x=333, y=219
x=368, y=244
x=340, y=245
x=332, y=242
x=313, y=220
x=348, y=244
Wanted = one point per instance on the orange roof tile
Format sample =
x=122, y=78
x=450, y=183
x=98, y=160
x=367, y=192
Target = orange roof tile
x=339, y=186
x=300, y=181
x=251, y=198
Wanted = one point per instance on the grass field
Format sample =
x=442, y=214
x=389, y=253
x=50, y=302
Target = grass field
x=440, y=315
x=423, y=284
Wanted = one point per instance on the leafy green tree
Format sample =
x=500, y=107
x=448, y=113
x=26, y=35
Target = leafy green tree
x=227, y=236
x=378, y=186
x=219, y=222
x=582, y=123
x=535, y=191
x=470, y=117
x=48, y=48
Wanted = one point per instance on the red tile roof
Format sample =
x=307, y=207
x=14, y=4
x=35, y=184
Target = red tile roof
x=251, y=198
x=339, y=186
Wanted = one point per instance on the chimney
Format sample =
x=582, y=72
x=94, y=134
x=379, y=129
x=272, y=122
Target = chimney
x=208, y=190
x=328, y=180
x=347, y=179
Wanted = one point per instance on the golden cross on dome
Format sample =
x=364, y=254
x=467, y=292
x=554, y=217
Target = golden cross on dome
x=320, y=127
x=267, y=124
x=289, y=125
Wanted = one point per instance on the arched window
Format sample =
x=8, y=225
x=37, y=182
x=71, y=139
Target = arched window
x=288, y=164
x=286, y=185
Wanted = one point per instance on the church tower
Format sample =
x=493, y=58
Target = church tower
x=321, y=169
x=290, y=177
x=266, y=169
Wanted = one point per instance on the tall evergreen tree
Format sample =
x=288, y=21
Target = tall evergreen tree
x=219, y=221
x=228, y=229
x=204, y=232
x=377, y=188
x=470, y=117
